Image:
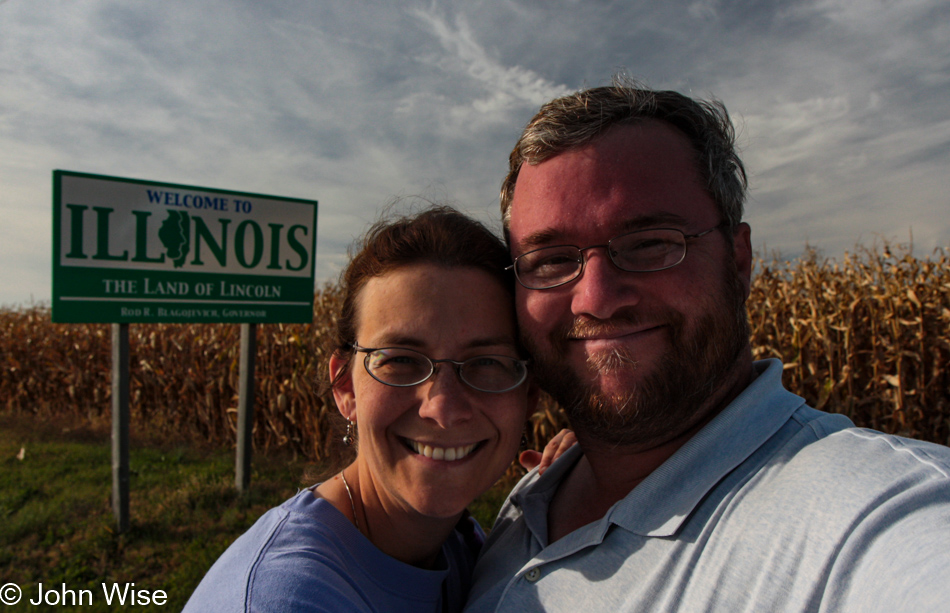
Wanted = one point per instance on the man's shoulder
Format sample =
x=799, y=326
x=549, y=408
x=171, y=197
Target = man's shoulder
x=833, y=487
x=809, y=441
x=835, y=438
x=855, y=456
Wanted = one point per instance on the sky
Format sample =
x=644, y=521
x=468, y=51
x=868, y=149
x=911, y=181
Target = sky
x=842, y=106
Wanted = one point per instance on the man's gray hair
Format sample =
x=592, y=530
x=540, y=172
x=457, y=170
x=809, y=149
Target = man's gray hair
x=577, y=119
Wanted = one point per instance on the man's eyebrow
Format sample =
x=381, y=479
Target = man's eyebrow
x=539, y=239
x=552, y=236
x=654, y=220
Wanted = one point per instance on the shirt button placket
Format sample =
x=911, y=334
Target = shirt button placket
x=533, y=575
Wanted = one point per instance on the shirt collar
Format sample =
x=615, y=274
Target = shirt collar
x=663, y=501
x=660, y=504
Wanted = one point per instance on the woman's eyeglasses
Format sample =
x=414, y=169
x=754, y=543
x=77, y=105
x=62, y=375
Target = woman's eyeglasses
x=401, y=367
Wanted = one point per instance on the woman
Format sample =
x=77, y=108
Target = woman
x=428, y=373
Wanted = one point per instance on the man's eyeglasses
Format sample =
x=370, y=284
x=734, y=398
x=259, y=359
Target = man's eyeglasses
x=401, y=367
x=641, y=251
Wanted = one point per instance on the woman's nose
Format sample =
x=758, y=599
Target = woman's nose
x=445, y=398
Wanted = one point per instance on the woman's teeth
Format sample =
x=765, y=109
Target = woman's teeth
x=446, y=454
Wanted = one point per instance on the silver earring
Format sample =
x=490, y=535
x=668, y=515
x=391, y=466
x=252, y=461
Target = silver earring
x=348, y=437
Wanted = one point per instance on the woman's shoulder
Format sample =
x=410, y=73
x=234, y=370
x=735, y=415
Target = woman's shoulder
x=296, y=545
x=305, y=555
x=307, y=525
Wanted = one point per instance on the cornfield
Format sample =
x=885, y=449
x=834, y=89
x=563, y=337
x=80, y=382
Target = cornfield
x=868, y=337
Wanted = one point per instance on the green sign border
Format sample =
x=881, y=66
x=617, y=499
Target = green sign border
x=290, y=301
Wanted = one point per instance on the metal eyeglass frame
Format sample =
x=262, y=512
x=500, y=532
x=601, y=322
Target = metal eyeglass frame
x=432, y=368
x=583, y=257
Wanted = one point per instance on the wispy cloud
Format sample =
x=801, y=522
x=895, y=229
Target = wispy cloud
x=843, y=105
x=508, y=86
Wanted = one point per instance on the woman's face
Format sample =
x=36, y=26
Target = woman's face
x=456, y=313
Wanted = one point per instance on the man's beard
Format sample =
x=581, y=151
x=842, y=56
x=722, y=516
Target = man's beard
x=666, y=402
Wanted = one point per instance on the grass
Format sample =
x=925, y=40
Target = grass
x=56, y=522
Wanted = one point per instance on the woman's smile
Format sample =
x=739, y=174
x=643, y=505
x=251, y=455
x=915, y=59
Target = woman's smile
x=440, y=453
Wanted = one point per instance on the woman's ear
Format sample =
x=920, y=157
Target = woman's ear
x=343, y=394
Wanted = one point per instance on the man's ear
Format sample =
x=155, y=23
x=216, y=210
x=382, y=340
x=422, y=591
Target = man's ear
x=343, y=392
x=742, y=255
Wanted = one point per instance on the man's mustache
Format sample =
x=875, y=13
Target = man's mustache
x=586, y=326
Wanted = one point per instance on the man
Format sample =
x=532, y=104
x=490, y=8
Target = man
x=699, y=483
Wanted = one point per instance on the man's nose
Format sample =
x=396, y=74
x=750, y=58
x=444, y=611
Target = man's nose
x=602, y=288
x=445, y=398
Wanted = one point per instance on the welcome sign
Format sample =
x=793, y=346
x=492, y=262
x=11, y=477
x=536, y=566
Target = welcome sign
x=130, y=251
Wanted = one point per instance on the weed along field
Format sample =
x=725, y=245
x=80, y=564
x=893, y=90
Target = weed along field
x=867, y=335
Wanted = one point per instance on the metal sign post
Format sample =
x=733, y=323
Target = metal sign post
x=245, y=430
x=120, y=425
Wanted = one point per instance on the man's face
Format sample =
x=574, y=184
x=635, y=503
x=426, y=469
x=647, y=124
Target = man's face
x=635, y=358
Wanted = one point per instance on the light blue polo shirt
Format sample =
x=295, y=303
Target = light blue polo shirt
x=773, y=506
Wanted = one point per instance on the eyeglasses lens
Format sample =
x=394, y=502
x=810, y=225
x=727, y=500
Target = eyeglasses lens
x=398, y=366
x=648, y=250
x=549, y=266
x=492, y=373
